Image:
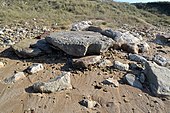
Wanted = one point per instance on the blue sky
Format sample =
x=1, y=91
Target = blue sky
x=132, y=1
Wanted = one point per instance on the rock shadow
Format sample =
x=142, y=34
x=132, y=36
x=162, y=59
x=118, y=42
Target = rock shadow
x=29, y=89
x=57, y=56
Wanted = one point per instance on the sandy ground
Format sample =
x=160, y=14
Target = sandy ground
x=20, y=98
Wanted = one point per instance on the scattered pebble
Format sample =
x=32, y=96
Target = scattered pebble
x=1, y=65
x=121, y=66
x=35, y=68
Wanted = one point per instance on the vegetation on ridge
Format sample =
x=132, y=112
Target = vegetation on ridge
x=65, y=12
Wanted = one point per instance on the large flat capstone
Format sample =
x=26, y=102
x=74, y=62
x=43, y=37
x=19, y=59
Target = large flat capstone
x=80, y=43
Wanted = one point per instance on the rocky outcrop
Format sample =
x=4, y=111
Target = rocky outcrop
x=158, y=78
x=80, y=43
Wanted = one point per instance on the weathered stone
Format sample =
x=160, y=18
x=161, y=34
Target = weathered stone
x=126, y=38
x=162, y=61
x=121, y=66
x=35, y=68
x=84, y=62
x=1, y=64
x=105, y=63
x=80, y=43
x=133, y=81
x=111, y=81
x=81, y=25
x=62, y=82
x=130, y=48
x=31, y=48
x=137, y=58
x=158, y=78
x=14, y=78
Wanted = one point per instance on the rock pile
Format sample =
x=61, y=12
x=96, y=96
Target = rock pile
x=92, y=48
x=95, y=41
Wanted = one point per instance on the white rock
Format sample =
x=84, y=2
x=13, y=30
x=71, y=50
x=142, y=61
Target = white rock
x=15, y=77
x=35, y=68
x=121, y=66
x=127, y=38
x=111, y=81
x=1, y=64
x=88, y=103
x=81, y=25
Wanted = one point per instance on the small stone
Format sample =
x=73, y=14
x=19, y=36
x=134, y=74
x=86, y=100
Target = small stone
x=84, y=62
x=62, y=82
x=133, y=81
x=126, y=100
x=105, y=63
x=121, y=66
x=162, y=61
x=88, y=103
x=111, y=81
x=140, y=95
x=130, y=48
x=1, y=64
x=35, y=68
x=14, y=78
x=137, y=58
